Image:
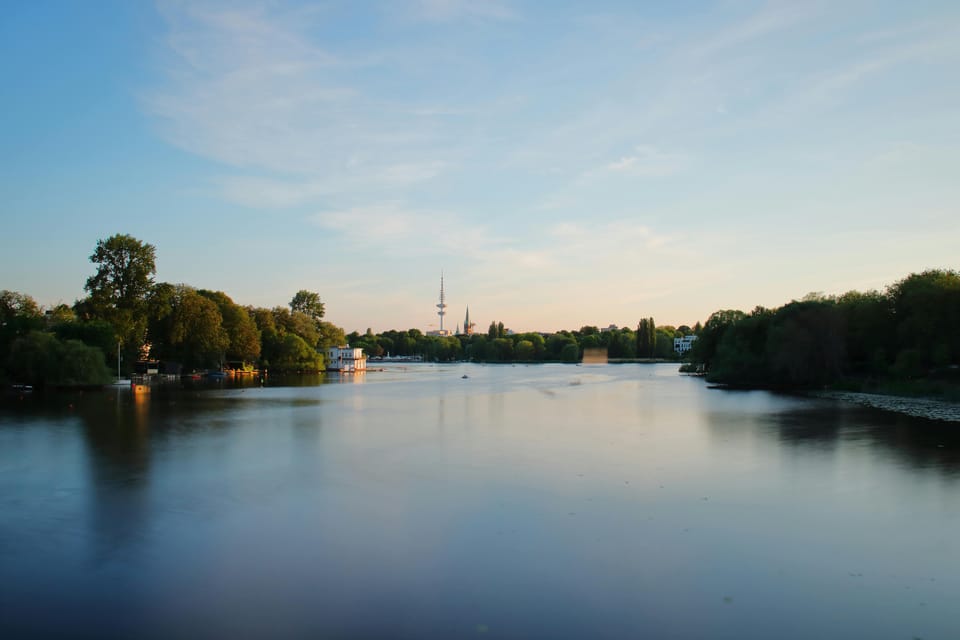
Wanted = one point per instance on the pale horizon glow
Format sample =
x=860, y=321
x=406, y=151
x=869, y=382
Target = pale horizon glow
x=584, y=164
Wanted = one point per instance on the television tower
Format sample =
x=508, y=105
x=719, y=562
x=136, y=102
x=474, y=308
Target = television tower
x=443, y=305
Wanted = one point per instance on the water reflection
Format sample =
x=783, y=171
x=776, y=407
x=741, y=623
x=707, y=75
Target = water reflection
x=619, y=501
x=923, y=444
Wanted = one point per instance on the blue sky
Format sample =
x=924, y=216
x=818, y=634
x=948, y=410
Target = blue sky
x=562, y=163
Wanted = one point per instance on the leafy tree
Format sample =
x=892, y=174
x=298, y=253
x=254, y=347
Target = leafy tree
x=622, y=344
x=298, y=323
x=95, y=333
x=741, y=355
x=870, y=331
x=805, y=345
x=330, y=335
x=646, y=338
x=19, y=315
x=524, y=350
x=33, y=358
x=558, y=342
x=295, y=354
x=664, y=342
x=501, y=350
x=242, y=333
x=60, y=314
x=570, y=352
x=705, y=348
x=194, y=333
x=39, y=358
x=119, y=289
x=926, y=308
x=590, y=341
x=308, y=302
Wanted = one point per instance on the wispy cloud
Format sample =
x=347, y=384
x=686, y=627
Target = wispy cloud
x=650, y=162
x=448, y=10
x=251, y=87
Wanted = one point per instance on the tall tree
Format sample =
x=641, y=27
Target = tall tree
x=309, y=303
x=241, y=329
x=19, y=315
x=194, y=330
x=119, y=289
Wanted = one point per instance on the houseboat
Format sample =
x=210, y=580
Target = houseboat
x=346, y=359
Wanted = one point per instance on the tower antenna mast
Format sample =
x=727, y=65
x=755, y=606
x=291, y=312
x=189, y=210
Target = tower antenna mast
x=443, y=305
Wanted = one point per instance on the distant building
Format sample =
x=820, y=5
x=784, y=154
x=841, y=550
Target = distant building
x=682, y=345
x=467, y=325
x=345, y=358
x=612, y=327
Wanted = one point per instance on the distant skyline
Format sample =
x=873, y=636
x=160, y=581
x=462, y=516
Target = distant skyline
x=563, y=164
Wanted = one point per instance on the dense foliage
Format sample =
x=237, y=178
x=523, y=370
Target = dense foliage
x=127, y=315
x=499, y=344
x=908, y=332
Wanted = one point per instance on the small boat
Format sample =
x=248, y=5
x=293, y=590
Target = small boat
x=216, y=375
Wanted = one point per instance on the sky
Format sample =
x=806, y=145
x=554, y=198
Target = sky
x=562, y=164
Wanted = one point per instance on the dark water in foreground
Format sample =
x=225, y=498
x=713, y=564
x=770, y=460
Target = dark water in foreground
x=522, y=502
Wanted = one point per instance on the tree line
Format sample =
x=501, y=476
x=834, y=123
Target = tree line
x=871, y=340
x=127, y=314
x=500, y=345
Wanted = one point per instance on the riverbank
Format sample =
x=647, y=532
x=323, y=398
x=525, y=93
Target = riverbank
x=928, y=408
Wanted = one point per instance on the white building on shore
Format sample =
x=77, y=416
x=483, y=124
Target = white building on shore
x=345, y=358
x=682, y=345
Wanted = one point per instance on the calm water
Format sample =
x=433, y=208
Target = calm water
x=521, y=502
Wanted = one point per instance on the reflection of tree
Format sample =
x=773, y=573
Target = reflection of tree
x=923, y=444
x=117, y=437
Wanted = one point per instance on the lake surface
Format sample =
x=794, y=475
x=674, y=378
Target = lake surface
x=552, y=501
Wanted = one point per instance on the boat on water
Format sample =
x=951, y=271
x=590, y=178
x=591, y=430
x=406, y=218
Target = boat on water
x=216, y=375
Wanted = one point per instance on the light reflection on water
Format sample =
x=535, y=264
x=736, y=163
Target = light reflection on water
x=527, y=501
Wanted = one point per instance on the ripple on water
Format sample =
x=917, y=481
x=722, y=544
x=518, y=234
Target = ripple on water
x=916, y=407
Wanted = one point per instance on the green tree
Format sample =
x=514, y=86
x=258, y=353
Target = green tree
x=19, y=315
x=524, y=350
x=330, y=335
x=926, y=308
x=708, y=337
x=298, y=323
x=95, y=333
x=870, y=331
x=242, y=333
x=295, y=354
x=119, y=289
x=570, y=352
x=308, y=302
x=557, y=342
x=39, y=358
x=664, y=342
x=646, y=338
x=196, y=337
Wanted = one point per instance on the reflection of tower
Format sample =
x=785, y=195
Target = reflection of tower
x=443, y=305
